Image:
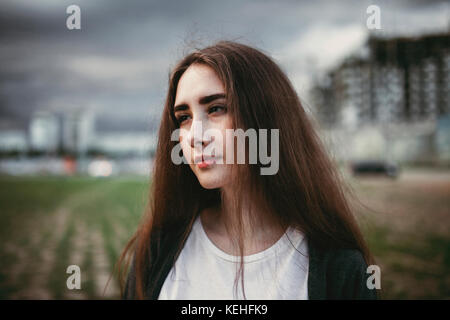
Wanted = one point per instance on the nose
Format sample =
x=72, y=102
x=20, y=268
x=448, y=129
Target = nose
x=195, y=142
x=196, y=136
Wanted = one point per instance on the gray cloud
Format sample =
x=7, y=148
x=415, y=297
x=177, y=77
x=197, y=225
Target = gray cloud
x=117, y=64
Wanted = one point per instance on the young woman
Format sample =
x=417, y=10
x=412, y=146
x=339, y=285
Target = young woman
x=217, y=228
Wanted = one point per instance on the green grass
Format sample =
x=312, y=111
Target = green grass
x=424, y=266
x=57, y=281
x=30, y=208
x=409, y=236
x=44, y=219
x=24, y=198
x=419, y=261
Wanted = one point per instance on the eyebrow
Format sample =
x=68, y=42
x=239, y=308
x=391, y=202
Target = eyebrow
x=202, y=100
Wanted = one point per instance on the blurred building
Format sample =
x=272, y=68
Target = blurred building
x=13, y=140
x=443, y=138
x=388, y=103
x=43, y=132
x=126, y=136
x=75, y=142
x=138, y=144
x=77, y=132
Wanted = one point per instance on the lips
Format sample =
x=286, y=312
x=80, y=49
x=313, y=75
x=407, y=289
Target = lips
x=204, y=161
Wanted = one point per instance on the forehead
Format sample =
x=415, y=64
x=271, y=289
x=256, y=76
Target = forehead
x=197, y=81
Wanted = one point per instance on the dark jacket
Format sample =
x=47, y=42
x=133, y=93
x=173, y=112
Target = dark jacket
x=333, y=274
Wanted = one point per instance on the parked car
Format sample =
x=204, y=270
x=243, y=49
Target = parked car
x=375, y=167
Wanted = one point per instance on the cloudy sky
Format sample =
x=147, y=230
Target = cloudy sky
x=117, y=65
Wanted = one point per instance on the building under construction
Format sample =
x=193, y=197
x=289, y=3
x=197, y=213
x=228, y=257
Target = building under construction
x=400, y=87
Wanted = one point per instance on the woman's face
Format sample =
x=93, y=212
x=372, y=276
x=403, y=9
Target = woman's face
x=200, y=103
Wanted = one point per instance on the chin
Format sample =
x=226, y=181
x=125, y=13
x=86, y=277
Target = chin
x=208, y=183
x=212, y=178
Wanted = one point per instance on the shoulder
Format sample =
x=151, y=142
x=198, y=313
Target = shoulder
x=345, y=261
x=339, y=274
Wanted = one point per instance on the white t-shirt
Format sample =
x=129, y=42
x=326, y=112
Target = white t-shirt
x=203, y=271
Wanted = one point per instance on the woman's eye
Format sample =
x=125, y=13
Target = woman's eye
x=216, y=108
x=181, y=119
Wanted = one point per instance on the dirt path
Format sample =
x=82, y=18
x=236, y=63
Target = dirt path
x=35, y=260
x=35, y=255
x=413, y=223
x=418, y=201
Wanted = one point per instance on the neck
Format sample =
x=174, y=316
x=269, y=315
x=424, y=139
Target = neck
x=260, y=230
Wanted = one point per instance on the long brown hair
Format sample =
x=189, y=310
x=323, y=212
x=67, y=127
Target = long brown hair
x=306, y=193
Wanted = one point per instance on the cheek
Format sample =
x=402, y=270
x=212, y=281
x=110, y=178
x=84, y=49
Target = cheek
x=226, y=126
x=184, y=146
